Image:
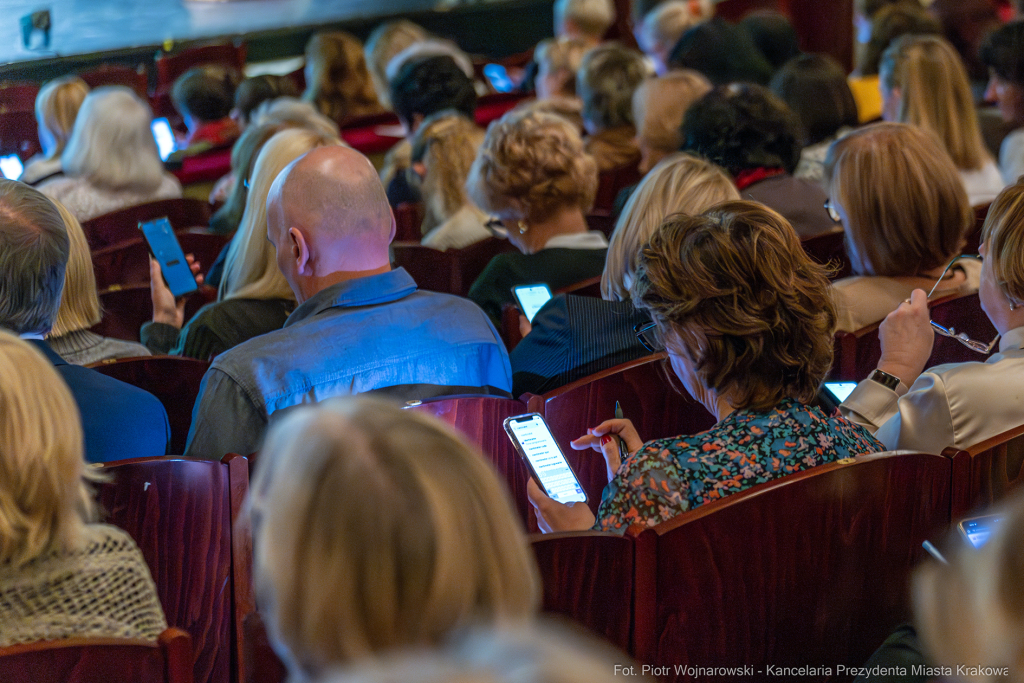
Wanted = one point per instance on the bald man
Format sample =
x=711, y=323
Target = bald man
x=360, y=326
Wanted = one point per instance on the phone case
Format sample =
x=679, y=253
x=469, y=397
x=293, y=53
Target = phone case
x=526, y=460
x=164, y=246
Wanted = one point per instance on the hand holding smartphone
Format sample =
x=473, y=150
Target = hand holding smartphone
x=164, y=246
x=531, y=298
x=537, y=447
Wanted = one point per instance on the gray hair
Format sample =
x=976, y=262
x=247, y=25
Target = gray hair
x=606, y=81
x=293, y=112
x=112, y=143
x=34, y=250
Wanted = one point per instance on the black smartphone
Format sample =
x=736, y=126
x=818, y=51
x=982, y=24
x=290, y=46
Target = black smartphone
x=531, y=298
x=164, y=246
x=532, y=438
x=977, y=530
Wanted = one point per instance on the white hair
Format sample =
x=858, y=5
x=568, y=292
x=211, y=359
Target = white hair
x=665, y=24
x=295, y=112
x=112, y=143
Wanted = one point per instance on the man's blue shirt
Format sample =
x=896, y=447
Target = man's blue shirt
x=377, y=333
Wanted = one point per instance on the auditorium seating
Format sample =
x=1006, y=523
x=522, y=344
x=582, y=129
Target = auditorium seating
x=18, y=96
x=169, y=67
x=19, y=134
x=119, y=226
x=125, y=309
x=181, y=513
x=172, y=379
x=110, y=660
x=127, y=263
x=829, y=250
x=452, y=271
x=204, y=167
x=408, y=222
x=984, y=473
x=117, y=74
x=609, y=185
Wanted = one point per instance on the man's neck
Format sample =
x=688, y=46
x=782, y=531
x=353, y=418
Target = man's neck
x=314, y=285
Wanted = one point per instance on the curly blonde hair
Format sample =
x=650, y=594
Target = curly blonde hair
x=531, y=165
x=736, y=290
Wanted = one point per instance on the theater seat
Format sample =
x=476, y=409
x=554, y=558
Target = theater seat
x=127, y=263
x=119, y=226
x=452, y=271
x=169, y=67
x=986, y=472
x=110, y=660
x=829, y=249
x=610, y=183
x=408, y=222
x=126, y=308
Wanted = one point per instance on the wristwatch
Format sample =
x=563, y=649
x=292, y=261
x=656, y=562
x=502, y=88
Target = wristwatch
x=888, y=381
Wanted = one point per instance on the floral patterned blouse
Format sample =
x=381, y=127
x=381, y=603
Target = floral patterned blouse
x=667, y=477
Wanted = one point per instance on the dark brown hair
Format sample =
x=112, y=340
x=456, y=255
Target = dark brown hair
x=749, y=306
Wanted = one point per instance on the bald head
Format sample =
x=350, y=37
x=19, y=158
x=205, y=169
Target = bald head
x=331, y=203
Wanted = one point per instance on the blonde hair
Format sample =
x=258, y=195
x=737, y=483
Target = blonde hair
x=907, y=209
x=44, y=498
x=79, y=302
x=340, y=85
x=664, y=25
x=681, y=183
x=57, y=106
x=659, y=105
x=386, y=41
x=563, y=54
x=250, y=267
x=531, y=165
x=378, y=528
x=935, y=94
x=112, y=144
x=592, y=17
x=289, y=111
x=446, y=144
x=1003, y=235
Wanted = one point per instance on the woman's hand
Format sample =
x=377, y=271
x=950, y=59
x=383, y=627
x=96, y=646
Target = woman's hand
x=166, y=309
x=525, y=327
x=605, y=439
x=554, y=516
x=906, y=336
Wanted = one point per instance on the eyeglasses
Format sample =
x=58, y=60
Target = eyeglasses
x=497, y=228
x=972, y=344
x=832, y=213
x=649, y=336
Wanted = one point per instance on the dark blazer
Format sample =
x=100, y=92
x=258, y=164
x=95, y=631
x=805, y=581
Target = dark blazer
x=572, y=337
x=119, y=421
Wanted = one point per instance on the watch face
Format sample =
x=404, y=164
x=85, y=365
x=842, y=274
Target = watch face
x=885, y=379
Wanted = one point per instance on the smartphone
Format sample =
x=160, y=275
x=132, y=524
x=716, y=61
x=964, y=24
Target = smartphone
x=497, y=76
x=977, y=530
x=11, y=166
x=164, y=137
x=164, y=246
x=840, y=390
x=532, y=438
x=531, y=298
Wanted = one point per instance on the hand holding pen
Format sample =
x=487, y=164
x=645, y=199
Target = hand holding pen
x=615, y=439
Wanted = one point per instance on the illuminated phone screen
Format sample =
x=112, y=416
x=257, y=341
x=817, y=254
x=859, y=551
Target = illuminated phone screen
x=840, y=389
x=979, y=529
x=164, y=137
x=531, y=298
x=536, y=443
x=11, y=166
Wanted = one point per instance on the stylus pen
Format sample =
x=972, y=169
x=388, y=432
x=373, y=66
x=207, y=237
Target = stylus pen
x=934, y=552
x=623, y=453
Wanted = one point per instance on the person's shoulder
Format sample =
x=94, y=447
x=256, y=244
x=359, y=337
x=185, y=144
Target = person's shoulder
x=57, y=187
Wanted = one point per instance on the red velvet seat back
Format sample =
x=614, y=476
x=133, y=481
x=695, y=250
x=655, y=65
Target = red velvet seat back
x=19, y=134
x=452, y=271
x=18, y=96
x=117, y=74
x=169, y=67
x=986, y=472
x=610, y=183
x=829, y=250
x=810, y=569
x=408, y=222
x=127, y=263
x=120, y=226
x=92, y=660
x=126, y=308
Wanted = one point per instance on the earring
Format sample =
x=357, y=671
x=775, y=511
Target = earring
x=523, y=227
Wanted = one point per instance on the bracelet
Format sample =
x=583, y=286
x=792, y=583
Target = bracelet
x=890, y=382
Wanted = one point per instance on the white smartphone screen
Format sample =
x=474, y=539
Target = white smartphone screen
x=840, y=389
x=11, y=166
x=163, y=136
x=979, y=529
x=535, y=441
x=531, y=298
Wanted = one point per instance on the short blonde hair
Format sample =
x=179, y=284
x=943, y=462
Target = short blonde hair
x=592, y=17
x=664, y=25
x=250, y=267
x=44, y=498
x=906, y=206
x=1003, y=234
x=531, y=165
x=608, y=76
x=340, y=84
x=79, y=302
x=659, y=105
x=57, y=106
x=386, y=41
x=378, y=528
x=935, y=93
x=446, y=145
x=680, y=183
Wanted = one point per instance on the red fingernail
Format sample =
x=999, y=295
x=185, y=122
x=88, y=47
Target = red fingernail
x=605, y=439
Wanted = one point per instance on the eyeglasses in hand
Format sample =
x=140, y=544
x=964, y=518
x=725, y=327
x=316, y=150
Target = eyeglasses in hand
x=972, y=344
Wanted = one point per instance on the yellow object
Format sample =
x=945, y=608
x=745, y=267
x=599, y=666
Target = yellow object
x=867, y=96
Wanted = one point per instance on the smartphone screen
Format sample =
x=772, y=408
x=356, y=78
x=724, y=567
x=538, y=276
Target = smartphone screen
x=497, y=76
x=11, y=166
x=531, y=298
x=164, y=137
x=977, y=530
x=840, y=390
x=534, y=441
x=167, y=251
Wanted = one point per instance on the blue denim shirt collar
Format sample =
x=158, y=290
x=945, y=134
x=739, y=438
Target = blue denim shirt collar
x=365, y=291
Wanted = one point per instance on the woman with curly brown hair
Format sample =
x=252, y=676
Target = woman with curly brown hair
x=746, y=319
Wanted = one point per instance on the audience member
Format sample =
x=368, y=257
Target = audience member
x=80, y=309
x=960, y=404
x=34, y=251
x=443, y=150
x=57, y=106
x=61, y=575
x=445, y=550
x=204, y=96
x=226, y=219
x=751, y=133
x=575, y=336
x=360, y=326
x=746, y=319
x=425, y=49
x=558, y=60
x=864, y=12
x=587, y=20
x=659, y=105
x=295, y=113
x=721, y=51
x=111, y=161
x=608, y=76
x=1003, y=53
x=773, y=35
x=924, y=83
x=386, y=41
x=337, y=80
x=534, y=175
x=899, y=196
x=815, y=88
x=252, y=92
x=664, y=25
x=253, y=297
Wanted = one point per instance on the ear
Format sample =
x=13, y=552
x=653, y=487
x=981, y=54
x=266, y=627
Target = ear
x=394, y=226
x=300, y=252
